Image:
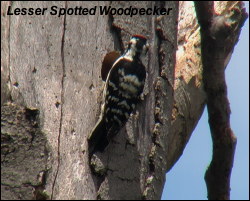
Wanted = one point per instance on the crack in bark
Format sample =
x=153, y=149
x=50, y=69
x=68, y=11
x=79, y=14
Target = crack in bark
x=62, y=101
x=9, y=79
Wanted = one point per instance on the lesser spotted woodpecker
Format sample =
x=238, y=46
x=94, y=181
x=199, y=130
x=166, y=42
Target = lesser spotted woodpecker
x=123, y=86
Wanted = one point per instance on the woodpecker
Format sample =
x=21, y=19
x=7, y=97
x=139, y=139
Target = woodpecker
x=122, y=90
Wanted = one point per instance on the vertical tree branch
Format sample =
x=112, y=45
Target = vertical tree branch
x=219, y=33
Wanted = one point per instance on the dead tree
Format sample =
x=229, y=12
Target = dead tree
x=50, y=98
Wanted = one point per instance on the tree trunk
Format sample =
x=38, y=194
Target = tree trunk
x=50, y=99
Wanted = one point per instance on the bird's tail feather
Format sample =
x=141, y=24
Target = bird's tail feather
x=97, y=140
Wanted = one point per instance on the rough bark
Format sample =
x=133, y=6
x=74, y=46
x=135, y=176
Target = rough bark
x=53, y=65
x=189, y=96
x=24, y=154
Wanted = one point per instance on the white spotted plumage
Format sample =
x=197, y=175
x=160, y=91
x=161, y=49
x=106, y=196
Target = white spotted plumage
x=123, y=86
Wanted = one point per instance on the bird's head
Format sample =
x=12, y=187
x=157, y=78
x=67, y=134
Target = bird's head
x=137, y=47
